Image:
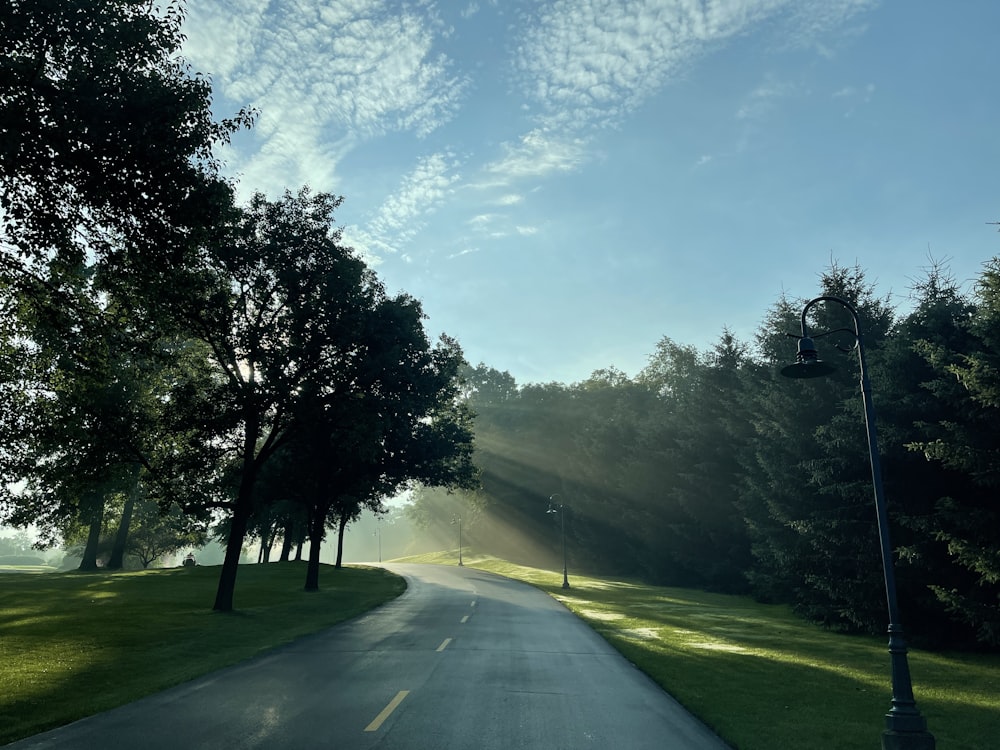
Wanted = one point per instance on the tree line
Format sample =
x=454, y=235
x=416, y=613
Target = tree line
x=708, y=469
x=171, y=360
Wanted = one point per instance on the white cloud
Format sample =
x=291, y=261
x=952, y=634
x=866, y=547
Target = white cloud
x=328, y=77
x=538, y=154
x=760, y=101
x=588, y=63
x=403, y=214
x=482, y=220
x=356, y=69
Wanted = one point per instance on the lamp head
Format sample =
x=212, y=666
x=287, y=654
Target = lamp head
x=807, y=362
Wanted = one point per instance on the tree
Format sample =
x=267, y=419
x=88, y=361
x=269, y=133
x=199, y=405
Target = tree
x=104, y=130
x=962, y=438
x=92, y=414
x=387, y=419
x=157, y=533
x=807, y=486
x=280, y=306
x=106, y=177
x=701, y=431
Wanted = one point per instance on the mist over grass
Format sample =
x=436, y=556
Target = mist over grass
x=760, y=676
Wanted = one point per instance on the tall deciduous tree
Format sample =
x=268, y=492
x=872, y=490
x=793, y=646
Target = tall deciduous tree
x=389, y=417
x=90, y=407
x=281, y=307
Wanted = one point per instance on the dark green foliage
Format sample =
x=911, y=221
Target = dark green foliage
x=103, y=128
x=961, y=440
x=808, y=481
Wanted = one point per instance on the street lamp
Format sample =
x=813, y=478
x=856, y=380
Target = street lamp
x=458, y=520
x=905, y=728
x=378, y=533
x=562, y=520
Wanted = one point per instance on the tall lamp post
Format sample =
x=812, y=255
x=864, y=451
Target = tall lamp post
x=562, y=521
x=458, y=520
x=905, y=728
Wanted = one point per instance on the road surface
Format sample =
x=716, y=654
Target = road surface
x=464, y=660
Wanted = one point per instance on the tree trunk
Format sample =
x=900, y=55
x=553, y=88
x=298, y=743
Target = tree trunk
x=230, y=565
x=341, y=527
x=95, y=504
x=298, y=550
x=267, y=541
x=286, y=541
x=238, y=526
x=117, y=560
x=316, y=525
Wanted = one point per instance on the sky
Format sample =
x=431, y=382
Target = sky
x=564, y=183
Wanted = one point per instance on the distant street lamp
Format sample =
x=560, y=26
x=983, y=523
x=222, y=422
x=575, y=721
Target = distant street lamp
x=562, y=521
x=458, y=520
x=905, y=728
x=378, y=533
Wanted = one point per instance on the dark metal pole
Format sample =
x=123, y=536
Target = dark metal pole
x=905, y=727
x=562, y=525
x=562, y=520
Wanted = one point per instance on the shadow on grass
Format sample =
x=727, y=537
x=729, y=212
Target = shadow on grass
x=77, y=644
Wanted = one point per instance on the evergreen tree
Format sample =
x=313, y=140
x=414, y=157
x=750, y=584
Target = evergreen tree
x=963, y=437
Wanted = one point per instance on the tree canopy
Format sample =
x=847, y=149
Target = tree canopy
x=103, y=128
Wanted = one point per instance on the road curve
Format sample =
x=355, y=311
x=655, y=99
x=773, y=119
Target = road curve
x=463, y=660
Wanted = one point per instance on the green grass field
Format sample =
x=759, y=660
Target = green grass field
x=73, y=644
x=762, y=677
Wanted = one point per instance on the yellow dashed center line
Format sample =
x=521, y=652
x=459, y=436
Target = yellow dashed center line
x=444, y=645
x=465, y=619
x=387, y=711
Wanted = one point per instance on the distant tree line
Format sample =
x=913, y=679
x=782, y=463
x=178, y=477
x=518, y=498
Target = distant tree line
x=708, y=469
x=174, y=364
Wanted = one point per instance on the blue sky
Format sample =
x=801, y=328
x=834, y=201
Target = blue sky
x=563, y=183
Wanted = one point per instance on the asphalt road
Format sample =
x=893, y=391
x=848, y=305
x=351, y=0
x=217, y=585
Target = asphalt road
x=464, y=660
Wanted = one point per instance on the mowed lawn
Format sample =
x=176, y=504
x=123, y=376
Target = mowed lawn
x=73, y=644
x=762, y=677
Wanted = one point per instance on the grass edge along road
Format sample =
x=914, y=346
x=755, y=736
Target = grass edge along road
x=74, y=644
x=762, y=677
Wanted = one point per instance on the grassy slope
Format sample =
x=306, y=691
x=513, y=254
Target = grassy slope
x=762, y=677
x=74, y=644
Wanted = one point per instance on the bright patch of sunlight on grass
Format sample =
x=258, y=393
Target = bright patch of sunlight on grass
x=758, y=674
